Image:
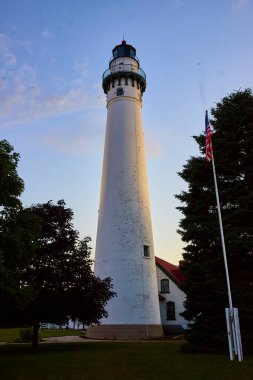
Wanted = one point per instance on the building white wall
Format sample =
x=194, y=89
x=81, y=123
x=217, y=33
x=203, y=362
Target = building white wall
x=176, y=295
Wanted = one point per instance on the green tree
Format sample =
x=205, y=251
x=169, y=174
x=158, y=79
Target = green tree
x=18, y=241
x=203, y=266
x=60, y=273
x=18, y=229
x=11, y=185
x=88, y=294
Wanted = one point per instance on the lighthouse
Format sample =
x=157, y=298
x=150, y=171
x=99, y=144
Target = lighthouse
x=124, y=246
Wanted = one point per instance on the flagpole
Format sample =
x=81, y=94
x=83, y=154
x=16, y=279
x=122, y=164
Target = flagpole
x=232, y=318
x=222, y=238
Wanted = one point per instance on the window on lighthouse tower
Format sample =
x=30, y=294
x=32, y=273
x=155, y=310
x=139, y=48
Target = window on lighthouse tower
x=120, y=91
x=146, y=251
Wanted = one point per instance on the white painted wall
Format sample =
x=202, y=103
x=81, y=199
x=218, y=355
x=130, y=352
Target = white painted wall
x=176, y=295
x=124, y=222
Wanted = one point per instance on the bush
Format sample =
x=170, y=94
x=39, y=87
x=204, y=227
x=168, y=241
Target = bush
x=25, y=335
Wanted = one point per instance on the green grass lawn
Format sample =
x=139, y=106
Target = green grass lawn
x=46, y=333
x=117, y=361
x=11, y=335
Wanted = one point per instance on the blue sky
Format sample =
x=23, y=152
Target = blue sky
x=52, y=106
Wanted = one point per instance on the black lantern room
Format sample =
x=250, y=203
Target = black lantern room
x=124, y=70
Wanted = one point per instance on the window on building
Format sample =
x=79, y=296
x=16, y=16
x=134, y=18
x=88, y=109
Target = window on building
x=146, y=251
x=165, y=286
x=170, y=309
x=120, y=91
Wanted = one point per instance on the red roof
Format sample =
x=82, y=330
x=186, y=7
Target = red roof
x=171, y=270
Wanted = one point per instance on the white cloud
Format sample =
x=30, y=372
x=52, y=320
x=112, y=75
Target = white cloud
x=24, y=98
x=155, y=142
x=77, y=139
x=27, y=45
x=239, y=4
x=153, y=147
x=179, y=2
x=9, y=59
x=81, y=68
x=5, y=43
x=47, y=34
x=27, y=103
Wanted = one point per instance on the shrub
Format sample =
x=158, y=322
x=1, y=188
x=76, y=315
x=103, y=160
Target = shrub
x=25, y=335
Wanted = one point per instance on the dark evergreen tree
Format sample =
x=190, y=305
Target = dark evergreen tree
x=203, y=266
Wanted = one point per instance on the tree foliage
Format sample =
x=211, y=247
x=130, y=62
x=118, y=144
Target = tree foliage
x=11, y=185
x=60, y=273
x=203, y=266
x=45, y=268
x=18, y=231
x=18, y=242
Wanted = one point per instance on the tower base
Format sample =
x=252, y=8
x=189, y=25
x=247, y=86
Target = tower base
x=125, y=332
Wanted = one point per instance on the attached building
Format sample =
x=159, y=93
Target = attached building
x=171, y=297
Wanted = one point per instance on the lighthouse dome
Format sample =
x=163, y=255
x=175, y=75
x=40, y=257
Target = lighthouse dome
x=124, y=66
x=124, y=50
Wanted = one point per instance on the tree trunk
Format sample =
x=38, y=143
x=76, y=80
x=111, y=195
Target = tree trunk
x=35, y=338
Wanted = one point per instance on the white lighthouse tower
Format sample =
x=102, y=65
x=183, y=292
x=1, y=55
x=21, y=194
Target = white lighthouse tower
x=124, y=247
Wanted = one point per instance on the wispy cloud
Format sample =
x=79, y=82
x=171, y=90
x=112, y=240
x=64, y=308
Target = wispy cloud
x=82, y=68
x=153, y=146
x=155, y=142
x=27, y=104
x=240, y=4
x=27, y=45
x=46, y=34
x=78, y=139
x=5, y=44
x=23, y=98
x=7, y=57
x=179, y=2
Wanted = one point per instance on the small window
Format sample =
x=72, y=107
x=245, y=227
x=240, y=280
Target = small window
x=171, y=313
x=146, y=251
x=165, y=286
x=120, y=91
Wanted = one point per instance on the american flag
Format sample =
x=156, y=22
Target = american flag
x=209, y=133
